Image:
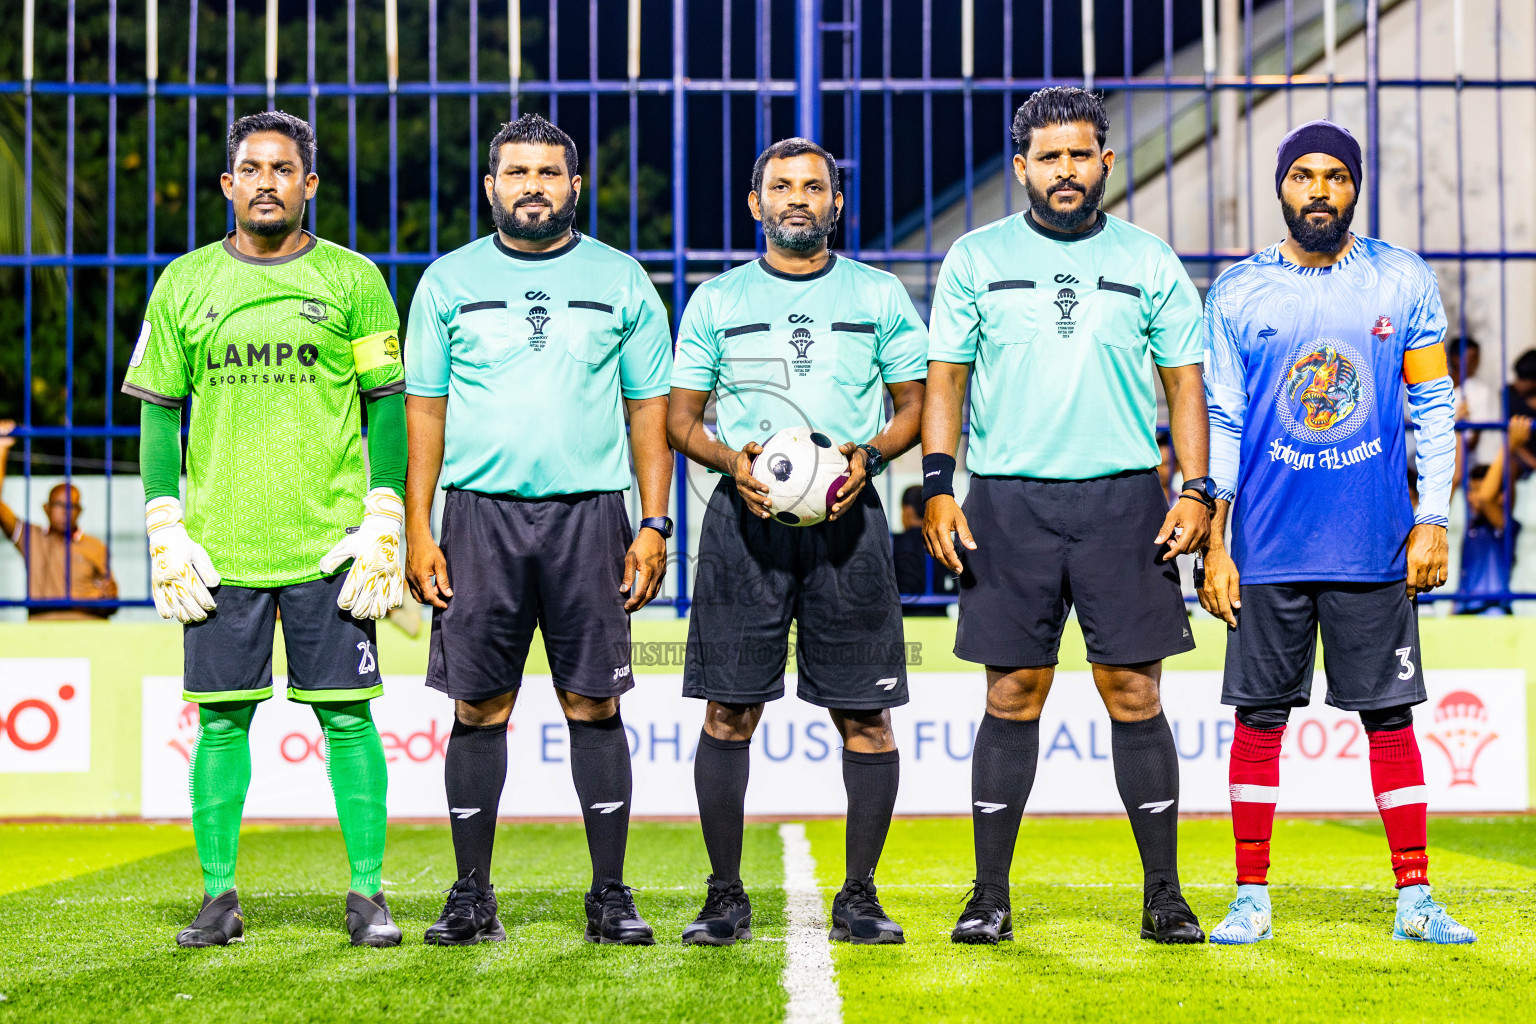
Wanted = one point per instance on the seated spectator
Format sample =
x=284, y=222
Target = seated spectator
x=914, y=569
x=43, y=549
x=1521, y=393
x=1487, y=553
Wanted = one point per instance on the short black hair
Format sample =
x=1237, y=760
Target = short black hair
x=785, y=148
x=912, y=498
x=539, y=131
x=1455, y=346
x=1525, y=366
x=1060, y=104
x=283, y=123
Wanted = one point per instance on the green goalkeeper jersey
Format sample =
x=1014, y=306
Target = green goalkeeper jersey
x=276, y=355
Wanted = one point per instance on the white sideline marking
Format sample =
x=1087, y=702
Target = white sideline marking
x=813, y=995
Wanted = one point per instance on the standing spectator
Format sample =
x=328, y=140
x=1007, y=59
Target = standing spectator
x=1477, y=401
x=43, y=549
x=914, y=569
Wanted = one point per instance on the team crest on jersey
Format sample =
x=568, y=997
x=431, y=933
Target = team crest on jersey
x=1383, y=328
x=1326, y=392
x=312, y=310
x=1066, y=301
x=802, y=341
x=538, y=318
x=392, y=347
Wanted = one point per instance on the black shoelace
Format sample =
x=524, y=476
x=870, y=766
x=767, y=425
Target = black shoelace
x=617, y=896
x=1165, y=898
x=860, y=896
x=985, y=897
x=463, y=897
x=721, y=901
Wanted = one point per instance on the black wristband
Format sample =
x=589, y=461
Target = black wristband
x=938, y=475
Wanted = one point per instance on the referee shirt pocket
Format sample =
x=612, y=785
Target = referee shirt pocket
x=1113, y=316
x=481, y=333
x=854, y=358
x=1009, y=311
x=594, y=331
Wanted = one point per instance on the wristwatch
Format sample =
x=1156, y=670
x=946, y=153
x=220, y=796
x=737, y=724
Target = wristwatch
x=874, y=461
x=1201, y=489
x=661, y=524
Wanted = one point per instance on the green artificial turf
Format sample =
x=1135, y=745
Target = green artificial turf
x=1077, y=955
x=101, y=946
x=88, y=915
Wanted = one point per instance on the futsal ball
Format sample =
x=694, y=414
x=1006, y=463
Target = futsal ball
x=803, y=471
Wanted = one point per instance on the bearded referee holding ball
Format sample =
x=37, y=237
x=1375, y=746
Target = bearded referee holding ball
x=1062, y=312
x=1309, y=345
x=801, y=337
x=525, y=349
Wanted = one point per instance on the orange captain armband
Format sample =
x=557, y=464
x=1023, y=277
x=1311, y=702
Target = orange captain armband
x=1422, y=364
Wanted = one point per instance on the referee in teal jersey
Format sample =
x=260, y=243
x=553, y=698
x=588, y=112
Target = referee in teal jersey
x=1062, y=313
x=524, y=351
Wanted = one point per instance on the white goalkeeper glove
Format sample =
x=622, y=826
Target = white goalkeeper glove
x=377, y=580
x=181, y=571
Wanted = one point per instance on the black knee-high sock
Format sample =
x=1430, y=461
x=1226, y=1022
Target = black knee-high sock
x=474, y=772
x=1147, y=775
x=604, y=783
x=720, y=770
x=1003, y=765
x=871, y=781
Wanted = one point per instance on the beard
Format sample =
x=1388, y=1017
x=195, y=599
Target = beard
x=1067, y=220
x=800, y=239
x=553, y=226
x=1329, y=237
x=273, y=227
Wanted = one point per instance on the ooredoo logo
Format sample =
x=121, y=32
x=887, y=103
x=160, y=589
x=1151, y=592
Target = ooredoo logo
x=45, y=715
x=1462, y=733
x=33, y=724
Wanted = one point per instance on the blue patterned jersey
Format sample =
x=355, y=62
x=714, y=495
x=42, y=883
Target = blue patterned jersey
x=1304, y=378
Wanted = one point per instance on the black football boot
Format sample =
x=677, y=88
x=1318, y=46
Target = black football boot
x=726, y=917
x=468, y=917
x=987, y=918
x=612, y=918
x=1166, y=917
x=218, y=923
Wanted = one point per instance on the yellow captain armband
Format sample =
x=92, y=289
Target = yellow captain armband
x=1422, y=364
x=376, y=350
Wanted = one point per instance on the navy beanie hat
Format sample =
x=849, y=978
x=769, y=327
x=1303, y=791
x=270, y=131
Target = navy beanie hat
x=1318, y=137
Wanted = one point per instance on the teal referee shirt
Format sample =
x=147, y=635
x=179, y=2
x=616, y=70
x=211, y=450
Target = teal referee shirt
x=535, y=352
x=786, y=350
x=1063, y=331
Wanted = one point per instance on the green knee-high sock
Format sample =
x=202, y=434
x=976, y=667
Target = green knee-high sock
x=221, y=773
x=355, y=762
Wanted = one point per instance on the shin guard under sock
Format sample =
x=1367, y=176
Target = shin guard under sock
x=220, y=776
x=354, y=760
x=604, y=783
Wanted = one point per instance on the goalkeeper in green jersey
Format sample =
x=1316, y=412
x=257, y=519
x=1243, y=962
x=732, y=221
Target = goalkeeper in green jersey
x=278, y=337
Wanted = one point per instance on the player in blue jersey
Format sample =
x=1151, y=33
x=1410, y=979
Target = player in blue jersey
x=1308, y=346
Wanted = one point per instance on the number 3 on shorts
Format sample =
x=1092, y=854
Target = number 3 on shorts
x=1402, y=656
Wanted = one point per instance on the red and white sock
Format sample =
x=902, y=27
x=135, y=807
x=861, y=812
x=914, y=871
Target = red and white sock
x=1253, y=775
x=1397, y=777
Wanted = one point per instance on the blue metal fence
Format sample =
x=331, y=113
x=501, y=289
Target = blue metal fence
x=872, y=79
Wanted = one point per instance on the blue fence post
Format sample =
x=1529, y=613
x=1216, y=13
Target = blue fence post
x=679, y=255
x=808, y=69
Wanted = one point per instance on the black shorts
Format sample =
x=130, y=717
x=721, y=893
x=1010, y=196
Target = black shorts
x=835, y=580
x=555, y=563
x=332, y=657
x=1370, y=646
x=1045, y=546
